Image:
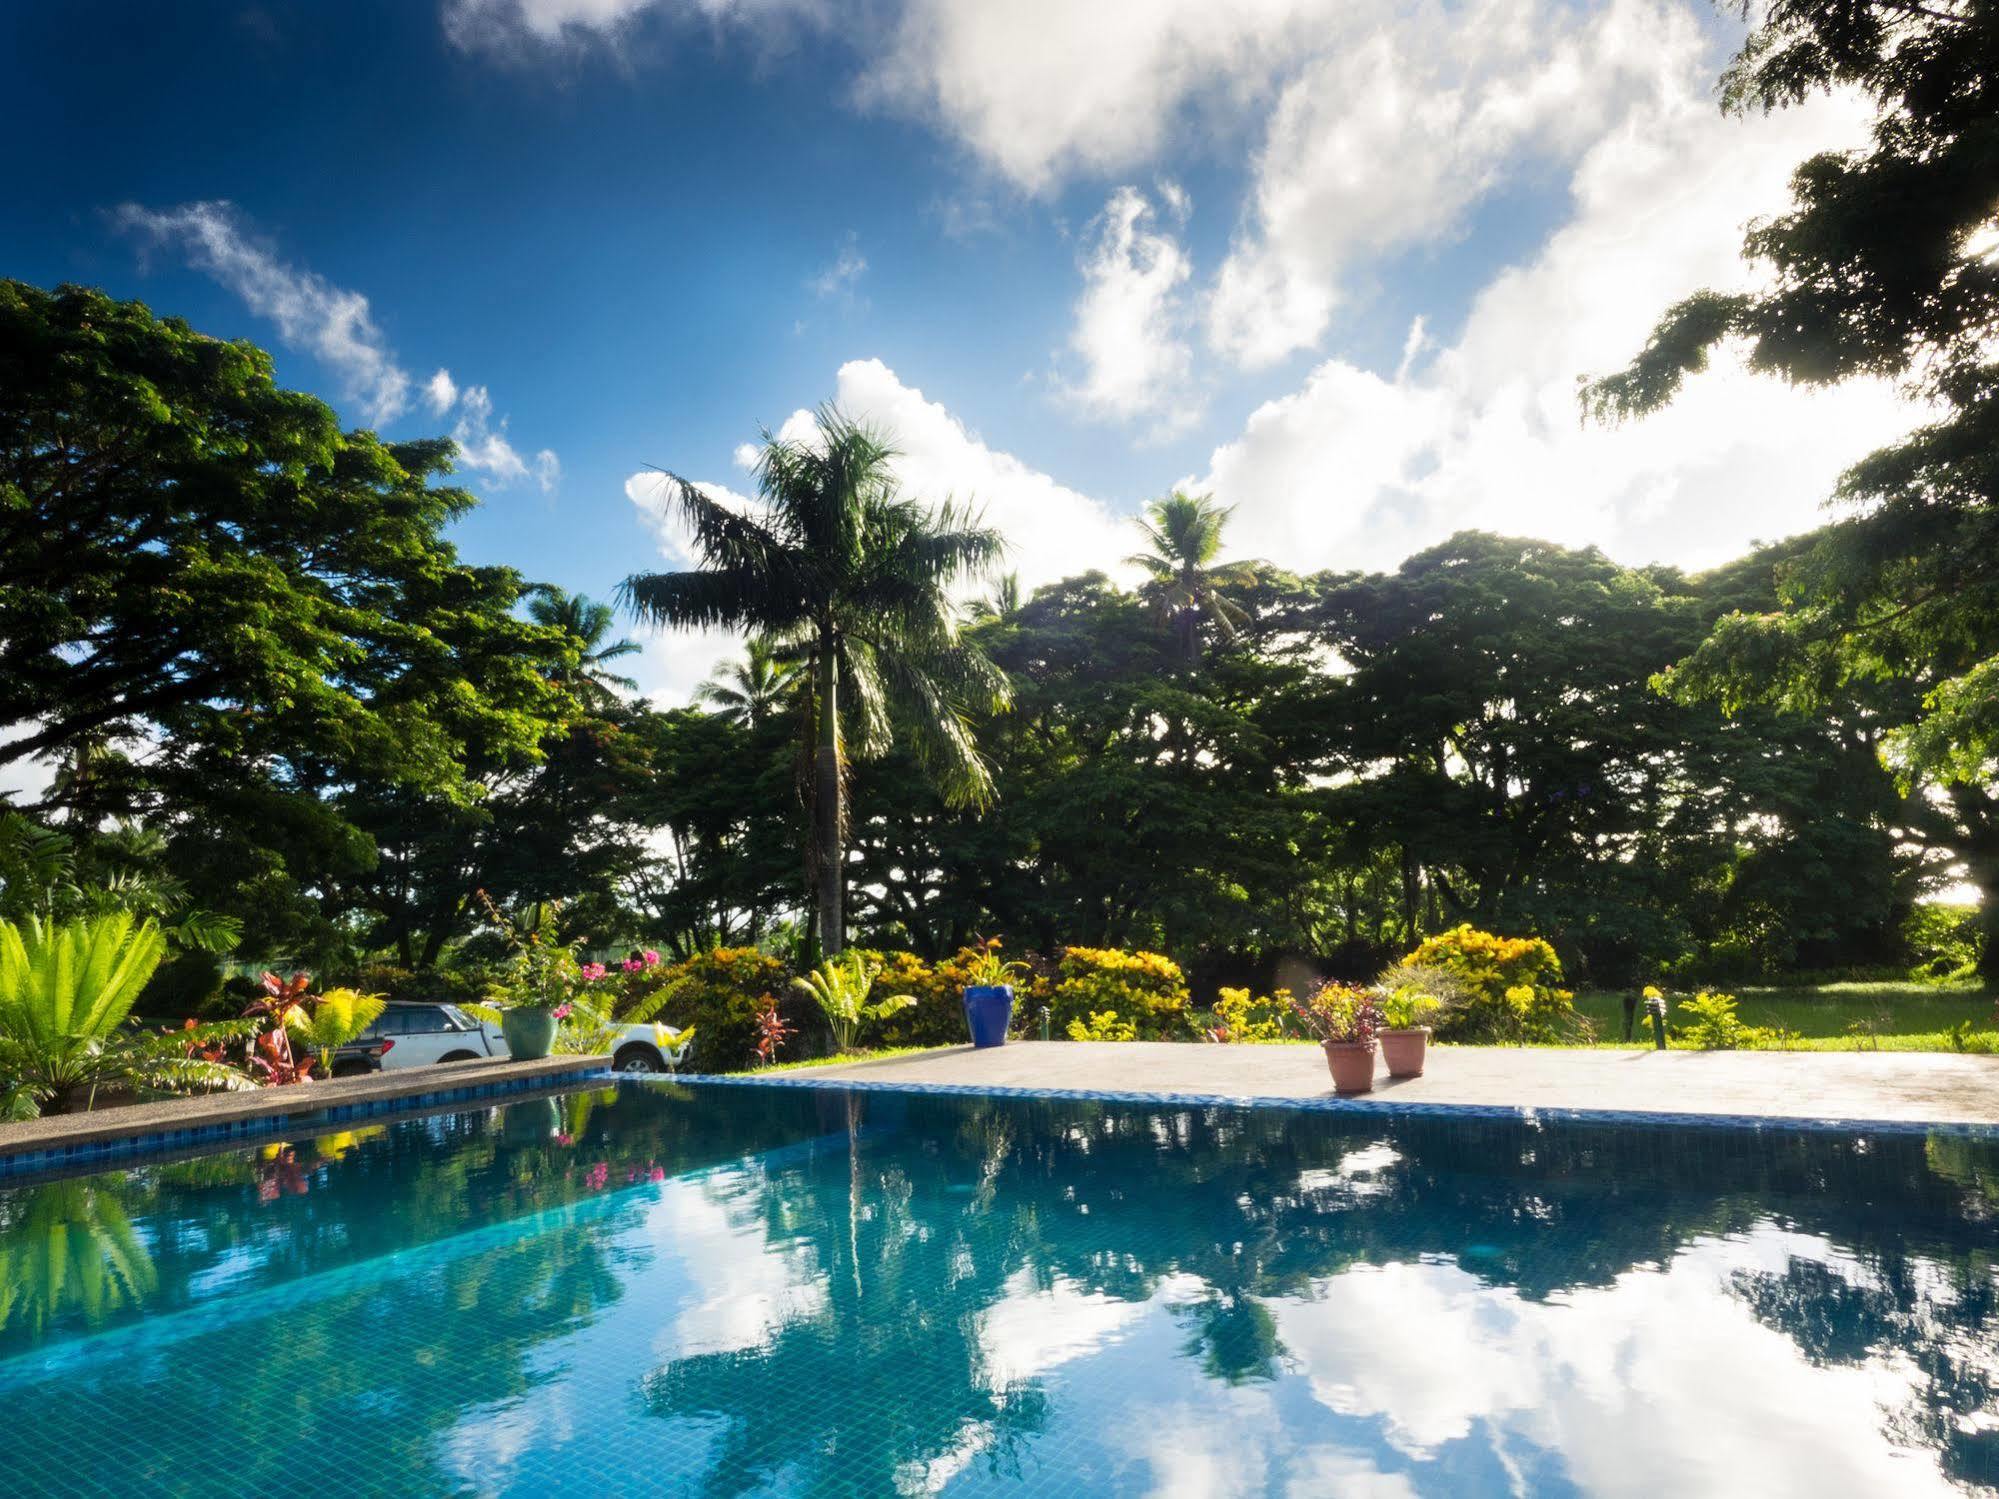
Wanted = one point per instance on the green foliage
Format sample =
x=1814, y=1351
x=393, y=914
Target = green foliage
x=1102, y=1025
x=841, y=987
x=1145, y=987
x=1879, y=266
x=718, y=993
x=1509, y=986
x=66, y=989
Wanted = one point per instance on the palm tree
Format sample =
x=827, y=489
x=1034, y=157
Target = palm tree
x=749, y=691
x=587, y=623
x=1184, y=532
x=847, y=581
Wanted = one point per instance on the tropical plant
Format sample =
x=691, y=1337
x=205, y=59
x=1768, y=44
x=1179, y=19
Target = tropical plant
x=750, y=692
x=1184, y=533
x=772, y=1030
x=71, y=1250
x=270, y=1058
x=850, y=583
x=841, y=986
x=588, y=625
x=336, y=1017
x=66, y=993
x=1340, y=1014
x=986, y=969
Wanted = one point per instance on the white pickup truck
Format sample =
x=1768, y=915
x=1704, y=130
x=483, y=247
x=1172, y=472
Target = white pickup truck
x=416, y=1034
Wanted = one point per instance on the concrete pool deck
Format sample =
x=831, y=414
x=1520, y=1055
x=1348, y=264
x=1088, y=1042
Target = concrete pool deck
x=1874, y=1086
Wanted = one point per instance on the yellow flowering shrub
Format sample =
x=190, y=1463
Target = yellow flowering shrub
x=1511, y=986
x=1146, y=988
x=1240, y=1017
x=1104, y=1025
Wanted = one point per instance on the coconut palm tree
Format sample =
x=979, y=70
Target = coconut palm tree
x=1184, y=536
x=589, y=624
x=749, y=691
x=849, y=583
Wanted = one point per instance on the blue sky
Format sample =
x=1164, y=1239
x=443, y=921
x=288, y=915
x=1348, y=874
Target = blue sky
x=1339, y=261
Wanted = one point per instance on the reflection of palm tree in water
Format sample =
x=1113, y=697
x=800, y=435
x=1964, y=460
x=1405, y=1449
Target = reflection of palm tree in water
x=70, y=1252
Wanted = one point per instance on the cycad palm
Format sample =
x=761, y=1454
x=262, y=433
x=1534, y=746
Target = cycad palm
x=848, y=582
x=749, y=691
x=589, y=624
x=1185, y=536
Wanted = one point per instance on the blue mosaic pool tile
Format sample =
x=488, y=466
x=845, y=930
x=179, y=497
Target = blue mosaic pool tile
x=1334, y=1103
x=127, y=1148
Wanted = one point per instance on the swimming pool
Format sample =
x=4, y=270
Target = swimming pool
x=800, y=1291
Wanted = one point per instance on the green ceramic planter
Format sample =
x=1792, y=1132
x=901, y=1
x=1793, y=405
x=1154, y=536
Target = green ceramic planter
x=530, y=1031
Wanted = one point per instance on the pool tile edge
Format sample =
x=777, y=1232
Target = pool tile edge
x=1334, y=1104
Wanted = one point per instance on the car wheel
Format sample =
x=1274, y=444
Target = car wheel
x=351, y=1069
x=638, y=1059
x=459, y=1056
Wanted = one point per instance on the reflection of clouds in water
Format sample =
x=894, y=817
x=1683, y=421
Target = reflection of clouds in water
x=1236, y=1443
x=1653, y=1384
x=740, y=1288
x=1356, y=1173
x=1030, y=1331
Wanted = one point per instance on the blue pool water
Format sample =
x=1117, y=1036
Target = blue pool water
x=701, y=1290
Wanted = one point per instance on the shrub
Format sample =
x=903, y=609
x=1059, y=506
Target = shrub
x=1103, y=1025
x=1509, y=983
x=719, y=993
x=1715, y=1026
x=1237, y=1017
x=1146, y=987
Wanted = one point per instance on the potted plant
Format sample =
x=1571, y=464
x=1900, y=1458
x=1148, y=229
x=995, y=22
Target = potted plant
x=1345, y=1021
x=988, y=997
x=1406, y=1015
x=543, y=974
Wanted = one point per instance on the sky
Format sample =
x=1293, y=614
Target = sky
x=1339, y=262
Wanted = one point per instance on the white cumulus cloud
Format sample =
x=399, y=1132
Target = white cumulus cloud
x=1130, y=332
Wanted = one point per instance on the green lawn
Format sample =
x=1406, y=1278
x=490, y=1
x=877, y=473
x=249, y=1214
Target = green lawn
x=1833, y=1017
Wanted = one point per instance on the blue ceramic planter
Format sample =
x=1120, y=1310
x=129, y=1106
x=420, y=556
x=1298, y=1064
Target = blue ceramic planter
x=988, y=1013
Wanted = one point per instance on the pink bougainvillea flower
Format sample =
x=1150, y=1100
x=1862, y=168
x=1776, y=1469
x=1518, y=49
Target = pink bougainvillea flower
x=631, y=965
x=562, y=1012
x=592, y=972
x=652, y=957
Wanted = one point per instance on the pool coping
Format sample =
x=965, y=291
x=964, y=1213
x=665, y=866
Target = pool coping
x=68, y=1142
x=1329, y=1103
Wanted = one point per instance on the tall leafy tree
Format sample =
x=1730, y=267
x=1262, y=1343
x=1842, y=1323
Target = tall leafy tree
x=192, y=555
x=850, y=581
x=1183, y=533
x=1884, y=263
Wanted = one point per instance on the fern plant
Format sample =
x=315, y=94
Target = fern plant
x=840, y=986
x=66, y=993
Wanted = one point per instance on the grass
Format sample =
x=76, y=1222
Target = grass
x=862, y=1054
x=1829, y=1017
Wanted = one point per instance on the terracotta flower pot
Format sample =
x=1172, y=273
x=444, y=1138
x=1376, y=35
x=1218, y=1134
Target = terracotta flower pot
x=1352, y=1065
x=1403, y=1050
